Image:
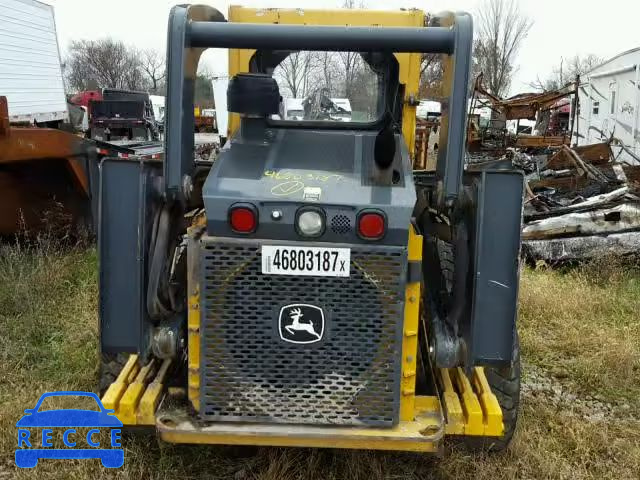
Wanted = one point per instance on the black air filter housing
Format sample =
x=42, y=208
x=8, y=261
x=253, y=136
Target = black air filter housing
x=253, y=94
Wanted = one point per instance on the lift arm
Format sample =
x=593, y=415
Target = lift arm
x=195, y=28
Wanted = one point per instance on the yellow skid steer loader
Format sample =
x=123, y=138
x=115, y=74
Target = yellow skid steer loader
x=308, y=287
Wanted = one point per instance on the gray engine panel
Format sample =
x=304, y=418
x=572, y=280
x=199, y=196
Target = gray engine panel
x=286, y=168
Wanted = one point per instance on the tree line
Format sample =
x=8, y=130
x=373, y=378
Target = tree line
x=110, y=63
x=500, y=31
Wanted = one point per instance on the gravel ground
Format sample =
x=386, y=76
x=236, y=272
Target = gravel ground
x=540, y=384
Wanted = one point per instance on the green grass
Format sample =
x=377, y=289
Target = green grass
x=582, y=327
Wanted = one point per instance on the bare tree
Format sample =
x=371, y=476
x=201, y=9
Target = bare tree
x=351, y=65
x=328, y=70
x=295, y=70
x=105, y=63
x=431, y=75
x=501, y=29
x=353, y=4
x=565, y=73
x=203, y=94
x=153, y=64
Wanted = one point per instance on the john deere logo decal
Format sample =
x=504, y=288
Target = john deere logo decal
x=301, y=323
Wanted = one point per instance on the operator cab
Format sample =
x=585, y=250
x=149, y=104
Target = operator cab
x=336, y=171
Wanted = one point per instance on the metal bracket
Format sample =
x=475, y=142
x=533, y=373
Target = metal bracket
x=414, y=271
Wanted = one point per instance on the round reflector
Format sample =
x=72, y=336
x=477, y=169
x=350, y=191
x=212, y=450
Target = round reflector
x=243, y=219
x=371, y=225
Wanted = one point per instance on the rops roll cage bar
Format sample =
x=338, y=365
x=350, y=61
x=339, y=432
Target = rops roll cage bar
x=194, y=28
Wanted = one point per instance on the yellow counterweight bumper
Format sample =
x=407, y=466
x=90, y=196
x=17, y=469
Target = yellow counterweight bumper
x=136, y=392
x=465, y=406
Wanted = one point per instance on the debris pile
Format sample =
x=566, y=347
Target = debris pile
x=580, y=203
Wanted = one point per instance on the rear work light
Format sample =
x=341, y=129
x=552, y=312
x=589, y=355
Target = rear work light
x=310, y=222
x=243, y=218
x=371, y=225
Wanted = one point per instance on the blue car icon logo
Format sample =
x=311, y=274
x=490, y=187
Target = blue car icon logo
x=42, y=424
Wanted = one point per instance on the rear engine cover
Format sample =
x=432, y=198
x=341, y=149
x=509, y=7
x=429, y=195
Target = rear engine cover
x=345, y=370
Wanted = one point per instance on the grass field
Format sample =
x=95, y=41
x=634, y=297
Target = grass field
x=580, y=335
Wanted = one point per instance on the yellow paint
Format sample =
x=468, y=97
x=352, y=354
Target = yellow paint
x=451, y=404
x=415, y=245
x=114, y=393
x=493, y=425
x=135, y=403
x=287, y=441
x=146, y=414
x=198, y=221
x=127, y=409
x=422, y=435
x=427, y=404
x=193, y=325
x=410, y=337
x=474, y=422
x=292, y=175
x=409, y=63
x=477, y=414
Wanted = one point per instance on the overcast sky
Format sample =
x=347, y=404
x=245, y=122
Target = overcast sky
x=562, y=28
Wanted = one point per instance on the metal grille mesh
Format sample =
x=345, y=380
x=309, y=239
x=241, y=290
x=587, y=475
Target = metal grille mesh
x=341, y=224
x=351, y=377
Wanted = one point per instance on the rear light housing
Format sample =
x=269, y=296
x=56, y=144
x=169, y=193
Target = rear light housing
x=243, y=218
x=372, y=224
x=310, y=222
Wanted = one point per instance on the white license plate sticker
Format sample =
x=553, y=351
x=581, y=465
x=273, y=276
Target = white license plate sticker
x=318, y=261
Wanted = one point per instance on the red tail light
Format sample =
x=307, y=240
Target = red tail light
x=243, y=219
x=371, y=225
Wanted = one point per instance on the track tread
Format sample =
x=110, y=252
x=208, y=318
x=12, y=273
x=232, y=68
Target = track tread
x=111, y=365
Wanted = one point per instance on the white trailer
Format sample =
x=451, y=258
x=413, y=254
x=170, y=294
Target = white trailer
x=158, y=104
x=610, y=105
x=30, y=66
x=293, y=109
x=220, y=85
x=428, y=110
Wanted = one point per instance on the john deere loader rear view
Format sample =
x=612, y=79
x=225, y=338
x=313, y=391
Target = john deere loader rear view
x=308, y=288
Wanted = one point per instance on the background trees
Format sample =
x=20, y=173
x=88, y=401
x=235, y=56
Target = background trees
x=566, y=72
x=109, y=63
x=500, y=30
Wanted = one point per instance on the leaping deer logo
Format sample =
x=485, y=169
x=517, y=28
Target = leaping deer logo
x=297, y=326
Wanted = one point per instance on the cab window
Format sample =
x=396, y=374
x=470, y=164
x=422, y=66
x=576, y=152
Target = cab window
x=328, y=87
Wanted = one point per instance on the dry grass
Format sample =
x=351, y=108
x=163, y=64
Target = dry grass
x=582, y=326
x=585, y=324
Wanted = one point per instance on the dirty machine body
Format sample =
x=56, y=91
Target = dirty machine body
x=294, y=291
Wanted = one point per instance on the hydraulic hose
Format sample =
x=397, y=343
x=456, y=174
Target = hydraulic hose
x=158, y=298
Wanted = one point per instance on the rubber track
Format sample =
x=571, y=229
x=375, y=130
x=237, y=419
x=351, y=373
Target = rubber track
x=110, y=366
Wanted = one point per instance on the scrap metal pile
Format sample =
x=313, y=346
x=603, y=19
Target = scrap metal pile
x=581, y=203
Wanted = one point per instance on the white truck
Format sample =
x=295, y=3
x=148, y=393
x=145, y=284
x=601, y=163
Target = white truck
x=293, y=109
x=30, y=65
